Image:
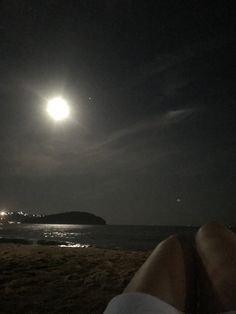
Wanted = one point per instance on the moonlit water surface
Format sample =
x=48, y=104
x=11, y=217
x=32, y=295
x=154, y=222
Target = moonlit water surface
x=105, y=236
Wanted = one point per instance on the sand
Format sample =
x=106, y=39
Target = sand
x=47, y=279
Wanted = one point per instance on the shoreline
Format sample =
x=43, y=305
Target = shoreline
x=50, y=279
x=40, y=242
x=61, y=244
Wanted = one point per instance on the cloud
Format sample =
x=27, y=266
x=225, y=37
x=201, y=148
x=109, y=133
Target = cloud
x=153, y=122
x=167, y=62
x=131, y=149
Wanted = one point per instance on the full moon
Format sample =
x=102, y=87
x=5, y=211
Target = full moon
x=58, y=108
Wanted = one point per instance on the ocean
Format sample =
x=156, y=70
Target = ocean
x=122, y=237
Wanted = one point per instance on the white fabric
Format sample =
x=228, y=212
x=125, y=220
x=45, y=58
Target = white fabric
x=141, y=303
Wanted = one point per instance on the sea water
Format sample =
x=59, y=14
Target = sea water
x=103, y=236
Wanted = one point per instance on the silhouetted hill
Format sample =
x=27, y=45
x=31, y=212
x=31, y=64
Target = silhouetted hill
x=81, y=218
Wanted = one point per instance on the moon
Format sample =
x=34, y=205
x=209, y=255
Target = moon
x=58, y=109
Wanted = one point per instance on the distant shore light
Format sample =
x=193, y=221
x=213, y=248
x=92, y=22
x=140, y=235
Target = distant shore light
x=58, y=108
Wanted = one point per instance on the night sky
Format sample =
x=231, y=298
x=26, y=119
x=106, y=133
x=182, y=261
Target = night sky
x=151, y=85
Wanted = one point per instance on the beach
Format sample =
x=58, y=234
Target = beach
x=52, y=279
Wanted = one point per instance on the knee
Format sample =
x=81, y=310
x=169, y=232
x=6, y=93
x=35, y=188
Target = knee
x=209, y=230
x=172, y=243
x=171, y=240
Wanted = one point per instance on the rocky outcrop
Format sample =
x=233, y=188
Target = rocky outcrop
x=81, y=218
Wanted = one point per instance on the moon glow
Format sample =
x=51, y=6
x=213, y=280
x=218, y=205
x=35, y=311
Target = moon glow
x=58, y=108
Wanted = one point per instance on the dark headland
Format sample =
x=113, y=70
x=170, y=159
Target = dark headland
x=74, y=217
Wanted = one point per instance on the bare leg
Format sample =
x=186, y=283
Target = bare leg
x=163, y=275
x=216, y=246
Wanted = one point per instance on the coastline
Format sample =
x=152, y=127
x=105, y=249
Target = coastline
x=51, y=279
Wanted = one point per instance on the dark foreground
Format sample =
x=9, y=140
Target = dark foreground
x=41, y=279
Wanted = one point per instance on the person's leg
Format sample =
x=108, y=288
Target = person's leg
x=216, y=247
x=163, y=275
